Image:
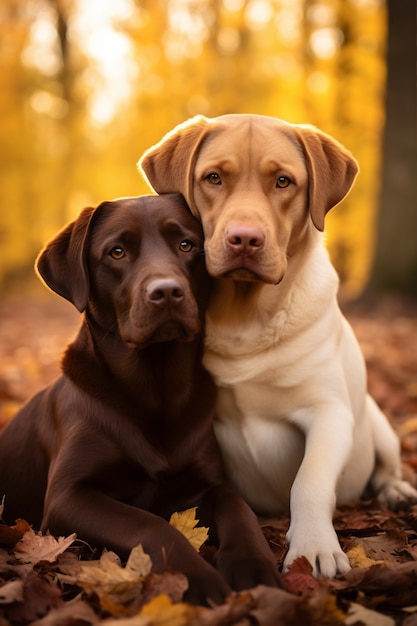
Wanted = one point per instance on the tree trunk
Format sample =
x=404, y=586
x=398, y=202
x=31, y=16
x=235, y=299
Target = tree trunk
x=394, y=267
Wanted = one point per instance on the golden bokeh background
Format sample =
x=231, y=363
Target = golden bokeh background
x=88, y=85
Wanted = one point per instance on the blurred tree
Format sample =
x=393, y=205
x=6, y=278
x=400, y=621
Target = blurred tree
x=86, y=87
x=395, y=263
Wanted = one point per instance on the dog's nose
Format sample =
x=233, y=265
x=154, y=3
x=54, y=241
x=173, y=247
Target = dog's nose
x=245, y=240
x=164, y=292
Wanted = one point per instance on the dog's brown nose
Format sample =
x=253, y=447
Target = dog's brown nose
x=164, y=292
x=245, y=240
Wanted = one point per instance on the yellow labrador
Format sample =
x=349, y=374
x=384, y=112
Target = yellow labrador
x=295, y=422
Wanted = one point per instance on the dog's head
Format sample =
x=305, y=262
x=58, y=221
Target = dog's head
x=137, y=266
x=253, y=181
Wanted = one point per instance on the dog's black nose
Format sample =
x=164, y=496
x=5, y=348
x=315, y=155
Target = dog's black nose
x=164, y=292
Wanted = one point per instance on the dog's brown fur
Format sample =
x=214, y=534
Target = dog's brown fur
x=124, y=438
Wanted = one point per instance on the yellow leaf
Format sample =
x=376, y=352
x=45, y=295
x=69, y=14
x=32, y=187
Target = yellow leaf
x=186, y=523
x=108, y=577
x=162, y=612
x=358, y=557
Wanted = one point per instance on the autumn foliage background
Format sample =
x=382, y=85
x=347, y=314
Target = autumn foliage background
x=86, y=87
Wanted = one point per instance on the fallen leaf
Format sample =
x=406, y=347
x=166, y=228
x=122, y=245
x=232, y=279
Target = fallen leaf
x=10, y=535
x=39, y=596
x=274, y=607
x=139, y=562
x=162, y=612
x=186, y=522
x=118, y=588
x=299, y=576
x=11, y=591
x=35, y=547
x=358, y=614
x=358, y=557
x=108, y=576
x=382, y=582
x=171, y=584
x=75, y=612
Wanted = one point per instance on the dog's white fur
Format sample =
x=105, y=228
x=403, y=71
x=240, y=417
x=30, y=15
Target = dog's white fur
x=295, y=422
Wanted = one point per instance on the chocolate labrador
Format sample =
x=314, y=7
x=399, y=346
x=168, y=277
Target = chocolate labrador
x=125, y=437
x=297, y=427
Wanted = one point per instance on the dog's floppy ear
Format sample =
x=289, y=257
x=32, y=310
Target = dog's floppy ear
x=168, y=166
x=62, y=264
x=331, y=171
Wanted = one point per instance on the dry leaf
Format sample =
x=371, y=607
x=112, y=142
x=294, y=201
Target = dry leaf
x=75, y=612
x=171, y=584
x=139, y=562
x=358, y=614
x=39, y=597
x=35, y=547
x=162, y=612
x=299, y=576
x=108, y=576
x=11, y=591
x=358, y=557
x=186, y=522
x=10, y=535
x=118, y=588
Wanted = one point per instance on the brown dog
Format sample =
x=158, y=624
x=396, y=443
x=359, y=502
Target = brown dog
x=124, y=438
x=295, y=423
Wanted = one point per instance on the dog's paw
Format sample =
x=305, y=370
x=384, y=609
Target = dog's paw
x=396, y=493
x=324, y=554
x=244, y=571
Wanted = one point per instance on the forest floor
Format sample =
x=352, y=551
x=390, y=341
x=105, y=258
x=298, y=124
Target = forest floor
x=47, y=581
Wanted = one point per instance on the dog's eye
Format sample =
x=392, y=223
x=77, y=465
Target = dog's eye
x=186, y=245
x=117, y=253
x=283, y=181
x=214, y=179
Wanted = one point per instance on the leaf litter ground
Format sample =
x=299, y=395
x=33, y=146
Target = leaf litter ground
x=50, y=581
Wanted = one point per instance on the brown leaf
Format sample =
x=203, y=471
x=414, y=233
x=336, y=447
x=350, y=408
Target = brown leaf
x=274, y=607
x=10, y=535
x=12, y=591
x=75, y=612
x=320, y=606
x=395, y=582
x=171, y=584
x=381, y=548
x=39, y=596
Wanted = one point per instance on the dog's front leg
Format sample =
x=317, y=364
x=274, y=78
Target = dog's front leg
x=329, y=435
x=243, y=557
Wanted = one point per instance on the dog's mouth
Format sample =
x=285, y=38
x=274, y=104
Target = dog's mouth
x=243, y=274
x=170, y=331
